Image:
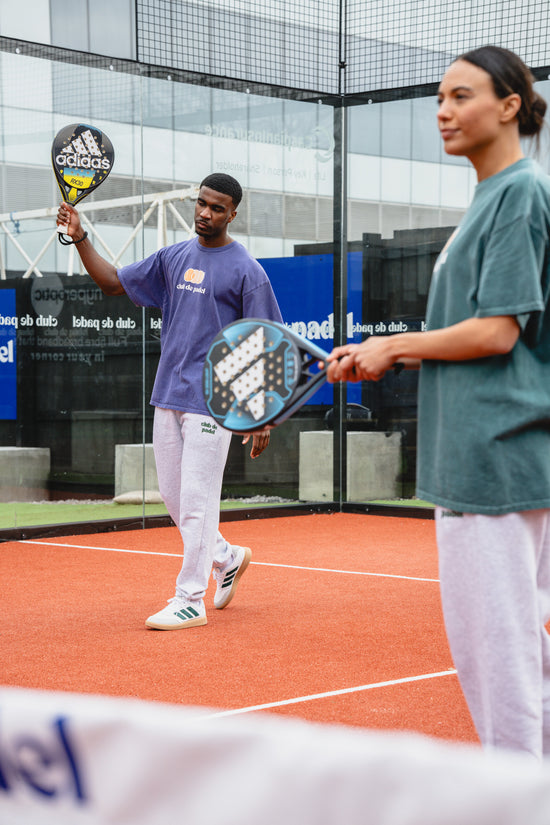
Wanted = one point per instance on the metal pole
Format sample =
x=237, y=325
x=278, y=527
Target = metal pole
x=340, y=296
x=340, y=269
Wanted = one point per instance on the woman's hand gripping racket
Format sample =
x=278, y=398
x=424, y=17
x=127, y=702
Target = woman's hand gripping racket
x=259, y=372
x=82, y=157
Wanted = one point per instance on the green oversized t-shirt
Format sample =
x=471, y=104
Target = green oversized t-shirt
x=484, y=425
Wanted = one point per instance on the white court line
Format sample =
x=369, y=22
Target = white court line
x=328, y=694
x=259, y=563
x=95, y=547
x=349, y=572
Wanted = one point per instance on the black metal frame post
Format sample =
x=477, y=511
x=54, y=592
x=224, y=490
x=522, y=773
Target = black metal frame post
x=340, y=268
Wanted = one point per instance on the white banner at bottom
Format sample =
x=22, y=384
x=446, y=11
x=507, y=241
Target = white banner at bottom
x=69, y=759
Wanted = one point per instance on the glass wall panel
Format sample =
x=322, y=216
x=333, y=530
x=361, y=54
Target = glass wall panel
x=405, y=198
x=75, y=389
x=404, y=202
x=77, y=367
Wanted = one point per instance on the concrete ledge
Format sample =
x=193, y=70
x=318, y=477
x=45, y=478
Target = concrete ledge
x=373, y=468
x=24, y=473
x=129, y=470
x=315, y=471
x=374, y=465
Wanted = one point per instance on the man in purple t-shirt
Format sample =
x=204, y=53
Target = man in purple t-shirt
x=200, y=286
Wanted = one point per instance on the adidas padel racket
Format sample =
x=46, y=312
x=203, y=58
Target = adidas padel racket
x=259, y=372
x=82, y=157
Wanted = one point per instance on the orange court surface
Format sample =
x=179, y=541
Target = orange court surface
x=337, y=620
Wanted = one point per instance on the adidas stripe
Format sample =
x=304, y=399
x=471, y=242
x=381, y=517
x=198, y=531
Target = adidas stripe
x=187, y=613
x=229, y=576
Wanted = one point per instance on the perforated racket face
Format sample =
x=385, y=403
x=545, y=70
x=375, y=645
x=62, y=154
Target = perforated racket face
x=250, y=373
x=82, y=157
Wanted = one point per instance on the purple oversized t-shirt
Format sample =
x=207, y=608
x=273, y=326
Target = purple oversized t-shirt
x=199, y=290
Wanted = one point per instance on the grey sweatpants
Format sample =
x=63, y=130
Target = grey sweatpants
x=495, y=591
x=190, y=454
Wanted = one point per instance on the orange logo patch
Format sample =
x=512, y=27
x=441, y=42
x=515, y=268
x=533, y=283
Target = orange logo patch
x=194, y=276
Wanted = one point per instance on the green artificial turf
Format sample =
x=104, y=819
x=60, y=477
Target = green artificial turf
x=29, y=514
x=405, y=502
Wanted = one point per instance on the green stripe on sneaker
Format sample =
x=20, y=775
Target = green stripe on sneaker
x=187, y=613
x=229, y=576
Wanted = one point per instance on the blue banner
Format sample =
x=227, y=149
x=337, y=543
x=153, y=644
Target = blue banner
x=303, y=286
x=8, y=361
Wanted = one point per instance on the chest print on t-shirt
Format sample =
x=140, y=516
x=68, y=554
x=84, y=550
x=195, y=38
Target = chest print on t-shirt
x=192, y=278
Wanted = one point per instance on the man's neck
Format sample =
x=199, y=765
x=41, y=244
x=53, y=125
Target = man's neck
x=212, y=243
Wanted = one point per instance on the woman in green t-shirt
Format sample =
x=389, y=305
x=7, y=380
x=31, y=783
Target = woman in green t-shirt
x=484, y=403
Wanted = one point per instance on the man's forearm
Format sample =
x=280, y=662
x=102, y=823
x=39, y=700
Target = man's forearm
x=101, y=271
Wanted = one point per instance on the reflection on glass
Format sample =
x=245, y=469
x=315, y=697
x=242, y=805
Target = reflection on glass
x=77, y=369
x=401, y=216
x=82, y=365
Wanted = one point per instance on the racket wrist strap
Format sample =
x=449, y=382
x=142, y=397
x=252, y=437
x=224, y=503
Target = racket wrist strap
x=69, y=242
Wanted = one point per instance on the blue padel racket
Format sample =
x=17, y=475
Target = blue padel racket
x=259, y=372
x=82, y=157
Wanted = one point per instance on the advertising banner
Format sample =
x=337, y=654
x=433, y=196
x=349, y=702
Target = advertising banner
x=8, y=351
x=304, y=289
x=68, y=759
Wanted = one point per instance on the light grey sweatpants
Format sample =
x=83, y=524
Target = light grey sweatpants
x=495, y=591
x=190, y=454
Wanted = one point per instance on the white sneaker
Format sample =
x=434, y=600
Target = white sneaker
x=178, y=613
x=228, y=579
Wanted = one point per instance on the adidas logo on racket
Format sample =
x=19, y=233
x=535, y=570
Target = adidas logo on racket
x=257, y=373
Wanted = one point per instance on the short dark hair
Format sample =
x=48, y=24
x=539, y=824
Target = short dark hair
x=225, y=184
x=510, y=75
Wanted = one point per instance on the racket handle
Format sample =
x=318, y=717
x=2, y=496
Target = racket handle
x=62, y=228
